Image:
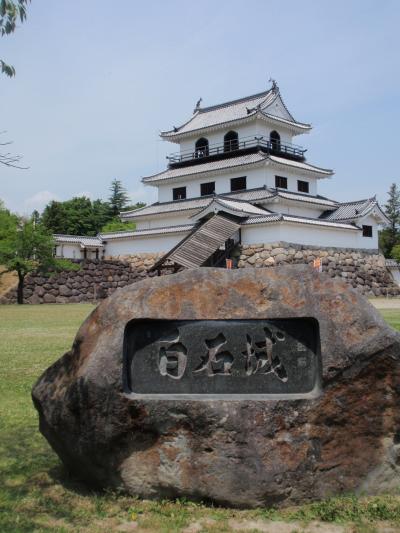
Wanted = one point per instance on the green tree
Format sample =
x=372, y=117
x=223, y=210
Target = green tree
x=35, y=216
x=396, y=252
x=78, y=216
x=10, y=13
x=7, y=220
x=54, y=217
x=101, y=214
x=26, y=247
x=117, y=225
x=118, y=199
x=390, y=236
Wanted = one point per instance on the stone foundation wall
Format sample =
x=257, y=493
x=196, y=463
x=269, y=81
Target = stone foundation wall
x=95, y=280
x=364, y=270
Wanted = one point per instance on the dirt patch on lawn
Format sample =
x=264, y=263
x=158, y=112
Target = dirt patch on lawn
x=7, y=281
x=385, y=303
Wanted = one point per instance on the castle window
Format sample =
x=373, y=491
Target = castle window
x=275, y=140
x=201, y=147
x=303, y=186
x=179, y=193
x=207, y=188
x=231, y=141
x=238, y=184
x=280, y=182
x=367, y=231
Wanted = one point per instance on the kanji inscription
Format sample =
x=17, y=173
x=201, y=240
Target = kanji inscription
x=263, y=358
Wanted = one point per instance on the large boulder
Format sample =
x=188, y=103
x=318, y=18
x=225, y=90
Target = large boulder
x=238, y=449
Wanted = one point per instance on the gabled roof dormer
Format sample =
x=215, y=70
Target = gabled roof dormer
x=356, y=211
x=237, y=208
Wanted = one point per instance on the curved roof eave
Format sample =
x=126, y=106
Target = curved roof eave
x=325, y=172
x=177, y=135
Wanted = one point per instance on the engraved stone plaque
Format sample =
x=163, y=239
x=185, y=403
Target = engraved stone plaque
x=225, y=359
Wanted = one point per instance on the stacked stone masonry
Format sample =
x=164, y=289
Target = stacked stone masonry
x=94, y=280
x=364, y=270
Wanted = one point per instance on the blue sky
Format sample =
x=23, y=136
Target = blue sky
x=96, y=82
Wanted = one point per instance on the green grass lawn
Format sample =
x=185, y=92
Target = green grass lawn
x=392, y=316
x=37, y=495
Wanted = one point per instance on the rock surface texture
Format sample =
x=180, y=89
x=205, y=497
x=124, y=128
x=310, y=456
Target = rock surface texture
x=238, y=452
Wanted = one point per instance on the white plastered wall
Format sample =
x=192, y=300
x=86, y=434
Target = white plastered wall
x=256, y=177
x=289, y=208
x=395, y=274
x=306, y=234
x=165, y=221
x=292, y=177
x=145, y=244
x=69, y=251
x=370, y=221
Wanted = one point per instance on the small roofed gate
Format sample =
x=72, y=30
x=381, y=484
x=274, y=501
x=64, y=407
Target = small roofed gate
x=198, y=247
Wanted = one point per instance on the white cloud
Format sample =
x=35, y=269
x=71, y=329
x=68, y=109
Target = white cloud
x=39, y=201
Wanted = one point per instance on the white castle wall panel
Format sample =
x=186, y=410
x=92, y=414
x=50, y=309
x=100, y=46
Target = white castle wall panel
x=145, y=244
x=307, y=235
x=164, y=221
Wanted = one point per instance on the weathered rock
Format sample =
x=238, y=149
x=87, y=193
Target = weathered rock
x=237, y=452
x=49, y=299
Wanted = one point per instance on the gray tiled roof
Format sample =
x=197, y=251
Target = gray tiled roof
x=300, y=220
x=144, y=232
x=350, y=210
x=78, y=239
x=240, y=207
x=167, y=207
x=300, y=165
x=251, y=195
x=318, y=200
x=234, y=162
x=263, y=193
x=234, y=110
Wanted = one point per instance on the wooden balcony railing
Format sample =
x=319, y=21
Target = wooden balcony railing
x=230, y=148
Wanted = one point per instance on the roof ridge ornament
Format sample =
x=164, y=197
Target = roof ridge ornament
x=274, y=88
x=198, y=103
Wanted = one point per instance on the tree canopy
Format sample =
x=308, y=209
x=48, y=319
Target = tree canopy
x=78, y=216
x=390, y=236
x=117, y=225
x=82, y=216
x=10, y=13
x=118, y=199
x=26, y=246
